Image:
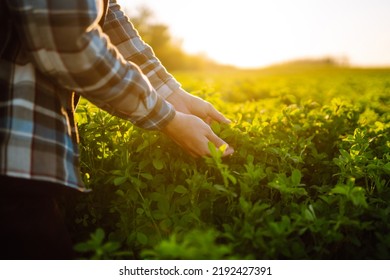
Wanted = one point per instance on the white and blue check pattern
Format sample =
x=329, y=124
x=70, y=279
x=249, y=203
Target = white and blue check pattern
x=53, y=48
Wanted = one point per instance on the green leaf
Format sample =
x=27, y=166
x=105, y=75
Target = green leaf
x=142, y=146
x=84, y=247
x=340, y=189
x=119, y=180
x=181, y=189
x=111, y=247
x=296, y=177
x=386, y=168
x=212, y=149
x=220, y=188
x=232, y=179
x=147, y=176
x=142, y=238
x=358, y=197
x=158, y=164
x=166, y=224
x=98, y=236
x=120, y=193
x=245, y=205
x=309, y=213
x=216, y=127
x=163, y=206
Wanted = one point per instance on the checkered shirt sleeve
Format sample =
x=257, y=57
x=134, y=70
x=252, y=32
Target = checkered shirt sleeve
x=49, y=49
x=130, y=44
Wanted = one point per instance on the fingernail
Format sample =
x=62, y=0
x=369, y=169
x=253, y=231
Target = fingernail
x=229, y=151
x=227, y=121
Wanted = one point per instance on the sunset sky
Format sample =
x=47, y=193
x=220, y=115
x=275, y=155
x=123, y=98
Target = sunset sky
x=256, y=33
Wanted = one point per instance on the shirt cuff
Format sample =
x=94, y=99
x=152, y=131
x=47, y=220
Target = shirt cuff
x=168, y=88
x=162, y=113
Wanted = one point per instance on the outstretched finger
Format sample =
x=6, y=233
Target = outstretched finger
x=215, y=115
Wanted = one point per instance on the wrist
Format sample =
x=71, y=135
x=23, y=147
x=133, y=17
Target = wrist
x=174, y=95
x=171, y=125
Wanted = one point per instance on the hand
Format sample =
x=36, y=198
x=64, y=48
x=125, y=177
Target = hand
x=189, y=104
x=193, y=135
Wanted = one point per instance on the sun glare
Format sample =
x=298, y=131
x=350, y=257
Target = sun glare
x=250, y=33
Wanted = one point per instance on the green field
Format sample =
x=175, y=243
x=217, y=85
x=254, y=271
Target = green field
x=309, y=178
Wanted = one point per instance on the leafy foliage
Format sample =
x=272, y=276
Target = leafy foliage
x=309, y=178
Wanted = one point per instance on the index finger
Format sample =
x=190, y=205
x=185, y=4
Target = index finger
x=217, y=116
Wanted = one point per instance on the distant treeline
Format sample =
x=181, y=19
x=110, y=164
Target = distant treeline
x=168, y=49
x=327, y=60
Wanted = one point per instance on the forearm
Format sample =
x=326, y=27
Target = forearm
x=124, y=36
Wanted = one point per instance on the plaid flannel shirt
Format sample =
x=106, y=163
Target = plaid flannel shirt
x=50, y=49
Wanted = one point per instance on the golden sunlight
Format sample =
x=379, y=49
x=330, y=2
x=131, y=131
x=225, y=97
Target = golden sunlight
x=250, y=33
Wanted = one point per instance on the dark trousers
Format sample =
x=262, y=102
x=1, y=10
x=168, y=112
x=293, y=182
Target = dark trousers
x=31, y=223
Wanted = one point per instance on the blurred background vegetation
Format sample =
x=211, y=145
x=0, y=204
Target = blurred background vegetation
x=167, y=48
x=170, y=51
